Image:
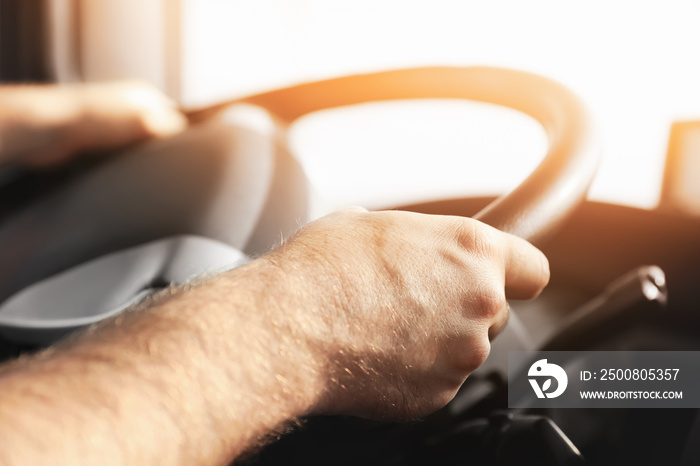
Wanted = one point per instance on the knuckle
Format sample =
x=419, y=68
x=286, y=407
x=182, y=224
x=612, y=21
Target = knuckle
x=481, y=351
x=490, y=301
x=486, y=243
x=440, y=400
x=477, y=238
x=464, y=231
x=475, y=355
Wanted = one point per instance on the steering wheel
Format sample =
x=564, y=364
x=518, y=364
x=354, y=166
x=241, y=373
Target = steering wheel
x=532, y=210
x=161, y=213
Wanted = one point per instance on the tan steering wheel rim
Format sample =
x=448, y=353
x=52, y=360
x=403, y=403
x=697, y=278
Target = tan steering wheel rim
x=540, y=203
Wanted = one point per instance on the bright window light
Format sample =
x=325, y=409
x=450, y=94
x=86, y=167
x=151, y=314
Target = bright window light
x=632, y=62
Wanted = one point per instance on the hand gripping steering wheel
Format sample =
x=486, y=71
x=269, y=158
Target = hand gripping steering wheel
x=163, y=212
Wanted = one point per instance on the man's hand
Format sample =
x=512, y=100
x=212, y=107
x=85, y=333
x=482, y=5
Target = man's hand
x=409, y=303
x=48, y=124
x=380, y=314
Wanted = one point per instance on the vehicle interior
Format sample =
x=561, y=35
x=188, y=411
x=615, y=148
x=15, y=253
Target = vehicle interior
x=589, y=155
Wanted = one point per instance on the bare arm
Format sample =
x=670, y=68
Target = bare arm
x=378, y=314
x=46, y=124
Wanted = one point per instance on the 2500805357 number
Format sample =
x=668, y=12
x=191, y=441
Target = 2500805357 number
x=639, y=374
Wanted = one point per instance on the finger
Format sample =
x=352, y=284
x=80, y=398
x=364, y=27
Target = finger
x=526, y=268
x=499, y=322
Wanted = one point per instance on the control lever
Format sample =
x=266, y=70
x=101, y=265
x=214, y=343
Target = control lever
x=636, y=295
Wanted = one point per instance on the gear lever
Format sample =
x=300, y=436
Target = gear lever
x=607, y=312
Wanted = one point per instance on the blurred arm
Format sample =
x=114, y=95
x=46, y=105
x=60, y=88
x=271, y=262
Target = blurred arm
x=42, y=125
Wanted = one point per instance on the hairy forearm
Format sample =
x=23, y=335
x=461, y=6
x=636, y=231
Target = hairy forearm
x=364, y=313
x=160, y=386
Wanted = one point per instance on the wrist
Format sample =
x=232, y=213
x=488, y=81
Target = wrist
x=262, y=321
x=300, y=334
x=305, y=286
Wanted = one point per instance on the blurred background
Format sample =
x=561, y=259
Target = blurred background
x=631, y=62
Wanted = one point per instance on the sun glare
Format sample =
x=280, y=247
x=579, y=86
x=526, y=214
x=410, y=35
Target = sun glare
x=631, y=62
